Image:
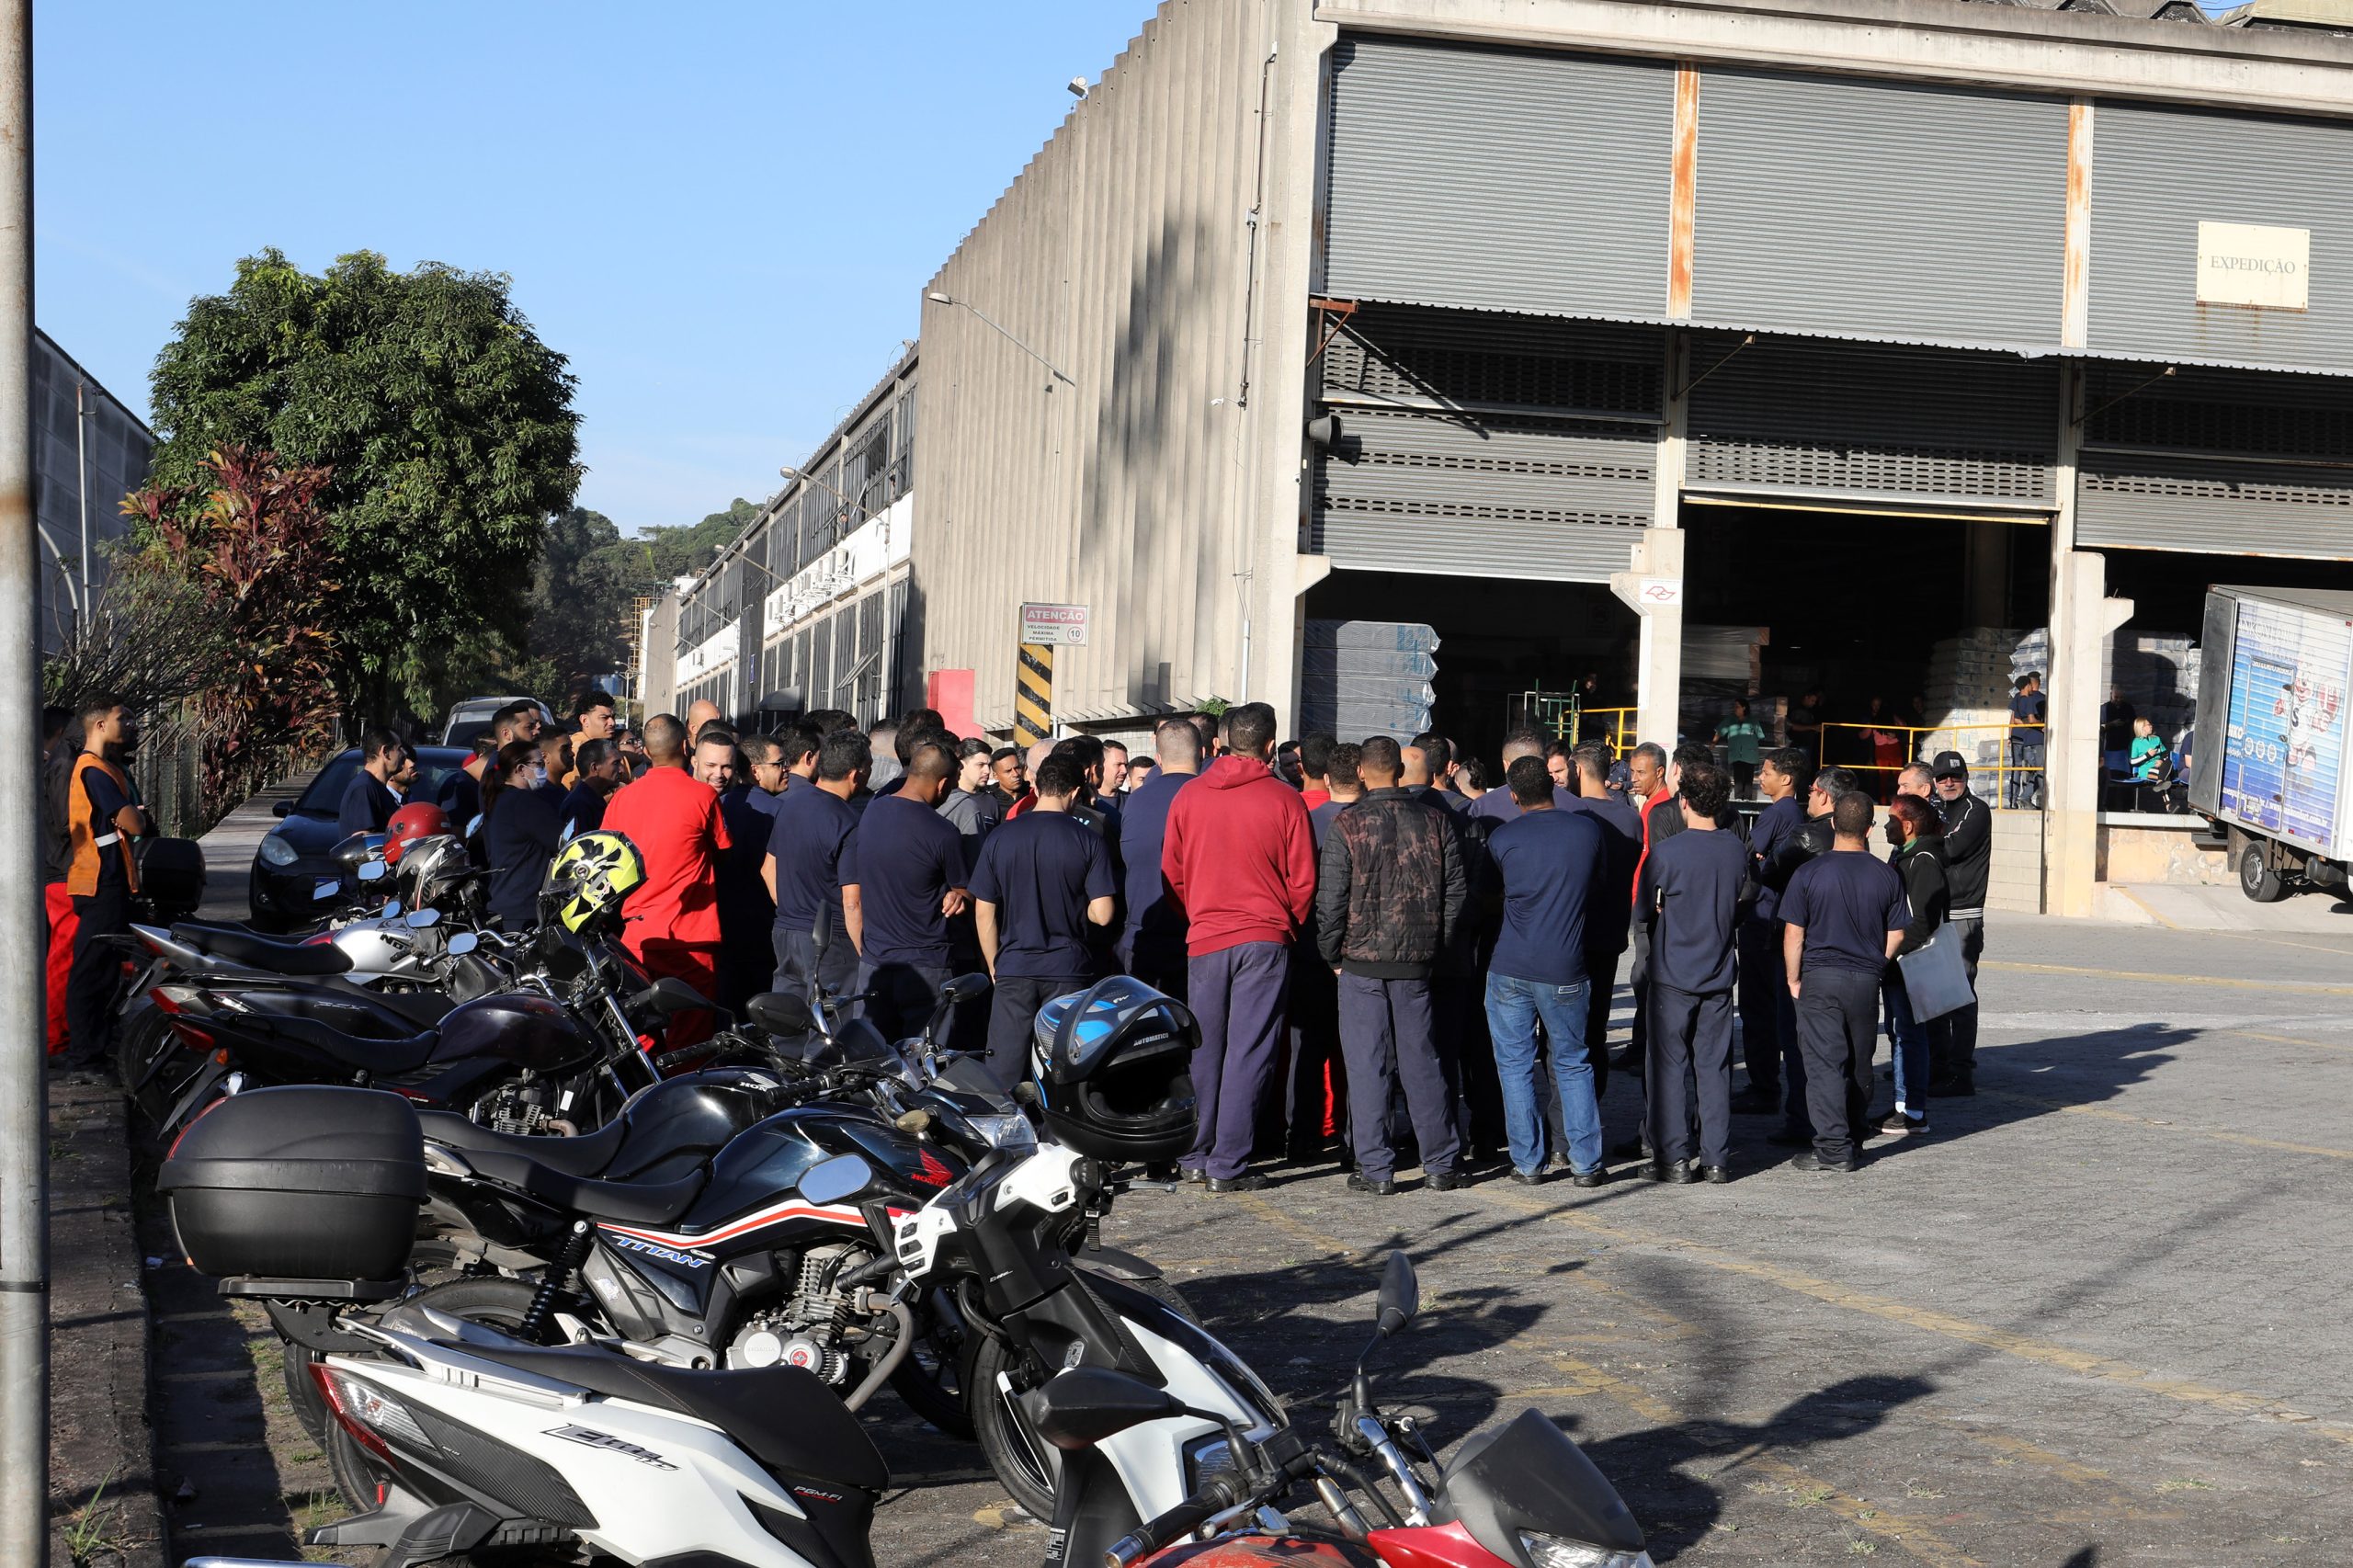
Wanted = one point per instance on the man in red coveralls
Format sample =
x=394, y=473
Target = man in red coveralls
x=1239, y=858
x=672, y=924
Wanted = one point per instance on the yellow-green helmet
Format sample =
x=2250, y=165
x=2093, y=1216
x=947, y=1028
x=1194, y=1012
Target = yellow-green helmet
x=590, y=877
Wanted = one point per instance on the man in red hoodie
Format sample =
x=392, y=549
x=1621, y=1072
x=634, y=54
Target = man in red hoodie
x=1239, y=858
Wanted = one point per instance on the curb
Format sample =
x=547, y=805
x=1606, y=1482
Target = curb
x=104, y=1512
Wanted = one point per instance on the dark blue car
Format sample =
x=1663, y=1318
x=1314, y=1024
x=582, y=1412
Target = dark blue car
x=293, y=859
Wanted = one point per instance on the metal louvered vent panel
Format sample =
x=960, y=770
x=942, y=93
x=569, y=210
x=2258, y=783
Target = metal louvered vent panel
x=2137, y=501
x=1498, y=179
x=1926, y=426
x=1524, y=498
x=1476, y=356
x=1832, y=204
x=2201, y=410
x=2161, y=172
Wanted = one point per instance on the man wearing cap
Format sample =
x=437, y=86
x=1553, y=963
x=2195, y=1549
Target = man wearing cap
x=1969, y=857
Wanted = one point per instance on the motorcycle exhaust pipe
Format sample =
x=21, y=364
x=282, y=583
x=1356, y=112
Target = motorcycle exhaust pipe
x=900, y=1348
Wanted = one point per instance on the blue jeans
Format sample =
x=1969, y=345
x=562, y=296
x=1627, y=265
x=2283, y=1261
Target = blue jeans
x=1513, y=1007
x=1908, y=1043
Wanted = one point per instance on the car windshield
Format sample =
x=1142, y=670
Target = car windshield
x=324, y=797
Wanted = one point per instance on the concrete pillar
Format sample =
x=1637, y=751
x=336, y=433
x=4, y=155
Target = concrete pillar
x=1654, y=590
x=2081, y=617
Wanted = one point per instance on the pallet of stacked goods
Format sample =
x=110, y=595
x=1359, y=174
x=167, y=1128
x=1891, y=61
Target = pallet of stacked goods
x=1367, y=677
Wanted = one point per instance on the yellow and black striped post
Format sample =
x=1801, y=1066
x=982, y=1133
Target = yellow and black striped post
x=1033, y=693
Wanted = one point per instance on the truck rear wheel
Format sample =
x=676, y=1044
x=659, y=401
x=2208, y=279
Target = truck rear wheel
x=2257, y=879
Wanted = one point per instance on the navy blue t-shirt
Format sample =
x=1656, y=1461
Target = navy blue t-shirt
x=460, y=799
x=1497, y=803
x=1552, y=864
x=519, y=838
x=1153, y=915
x=903, y=859
x=1320, y=820
x=1691, y=894
x=812, y=825
x=1040, y=870
x=1848, y=901
x=1608, y=926
x=1774, y=823
x=744, y=910
x=367, y=805
x=583, y=810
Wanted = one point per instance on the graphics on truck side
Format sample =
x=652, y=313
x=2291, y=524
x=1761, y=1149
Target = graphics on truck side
x=2284, y=755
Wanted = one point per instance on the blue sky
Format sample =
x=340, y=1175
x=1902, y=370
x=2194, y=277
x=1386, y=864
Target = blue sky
x=723, y=214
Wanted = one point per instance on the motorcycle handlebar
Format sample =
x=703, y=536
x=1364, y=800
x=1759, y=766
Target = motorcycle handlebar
x=1215, y=1497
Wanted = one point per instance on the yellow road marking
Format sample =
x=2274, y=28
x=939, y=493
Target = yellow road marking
x=2082, y=1363
x=2290, y=1039
x=2300, y=987
x=2106, y=1114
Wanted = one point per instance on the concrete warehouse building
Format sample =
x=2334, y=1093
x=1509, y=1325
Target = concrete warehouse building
x=1705, y=348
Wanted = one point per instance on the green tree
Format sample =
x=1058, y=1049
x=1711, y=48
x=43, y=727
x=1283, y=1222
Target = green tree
x=587, y=583
x=449, y=429
x=675, y=552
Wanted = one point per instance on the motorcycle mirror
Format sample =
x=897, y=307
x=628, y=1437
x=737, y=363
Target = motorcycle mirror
x=676, y=995
x=782, y=1013
x=423, y=919
x=325, y=889
x=1080, y=1407
x=463, y=943
x=372, y=871
x=1401, y=1294
x=473, y=826
x=393, y=909
x=830, y=1181
x=965, y=988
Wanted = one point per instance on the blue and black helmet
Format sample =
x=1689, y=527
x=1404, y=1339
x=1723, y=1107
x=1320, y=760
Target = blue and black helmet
x=1114, y=1069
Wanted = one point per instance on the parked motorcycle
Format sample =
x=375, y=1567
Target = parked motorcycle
x=454, y=1437
x=1519, y=1496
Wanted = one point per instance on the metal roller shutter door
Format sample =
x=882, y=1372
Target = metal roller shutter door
x=2216, y=461
x=1486, y=179
x=1880, y=210
x=1485, y=445
x=1868, y=423
x=2157, y=175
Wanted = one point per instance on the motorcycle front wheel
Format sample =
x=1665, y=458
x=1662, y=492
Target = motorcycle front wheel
x=1024, y=1464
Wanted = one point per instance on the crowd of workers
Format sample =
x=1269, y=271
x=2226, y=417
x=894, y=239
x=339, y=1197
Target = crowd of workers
x=1354, y=925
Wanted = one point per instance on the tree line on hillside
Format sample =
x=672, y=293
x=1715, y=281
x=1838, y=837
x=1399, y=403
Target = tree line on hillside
x=360, y=507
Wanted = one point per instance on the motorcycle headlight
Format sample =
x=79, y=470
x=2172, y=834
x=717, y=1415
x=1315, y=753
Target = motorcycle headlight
x=1011, y=1133
x=276, y=851
x=1207, y=1457
x=1552, y=1551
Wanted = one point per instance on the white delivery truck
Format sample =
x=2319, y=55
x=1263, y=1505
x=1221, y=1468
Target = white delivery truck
x=2268, y=763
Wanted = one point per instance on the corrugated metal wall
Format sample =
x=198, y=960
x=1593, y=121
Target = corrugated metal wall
x=1925, y=427
x=1485, y=445
x=1498, y=179
x=1830, y=204
x=2160, y=173
x=1122, y=255
x=2223, y=461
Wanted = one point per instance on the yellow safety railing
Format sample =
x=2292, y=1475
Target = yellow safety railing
x=2017, y=748
x=1615, y=725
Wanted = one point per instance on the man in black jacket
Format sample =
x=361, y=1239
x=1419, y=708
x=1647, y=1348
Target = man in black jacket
x=1969, y=858
x=1389, y=891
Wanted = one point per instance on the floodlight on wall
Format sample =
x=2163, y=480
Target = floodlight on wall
x=1078, y=88
x=937, y=298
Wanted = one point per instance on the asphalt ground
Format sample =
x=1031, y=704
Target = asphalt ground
x=2092, y=1318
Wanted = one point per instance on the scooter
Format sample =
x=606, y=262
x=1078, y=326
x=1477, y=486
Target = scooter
x=1520, y=1495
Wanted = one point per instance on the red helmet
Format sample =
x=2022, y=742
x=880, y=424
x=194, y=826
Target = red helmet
x=420, y=820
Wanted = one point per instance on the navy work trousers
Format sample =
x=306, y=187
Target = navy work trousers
x=1386, y=1034
x=1238, y=995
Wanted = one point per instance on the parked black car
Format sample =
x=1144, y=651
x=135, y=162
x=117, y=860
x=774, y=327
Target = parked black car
x=293, y=859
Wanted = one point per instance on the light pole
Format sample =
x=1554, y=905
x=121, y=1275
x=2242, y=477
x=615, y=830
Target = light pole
x=937, y=298
x=24, y=1097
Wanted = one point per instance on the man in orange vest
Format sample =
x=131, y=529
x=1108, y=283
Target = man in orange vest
x=102, y=817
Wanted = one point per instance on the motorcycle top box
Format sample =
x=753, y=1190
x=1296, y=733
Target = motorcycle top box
x=305, y=1186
